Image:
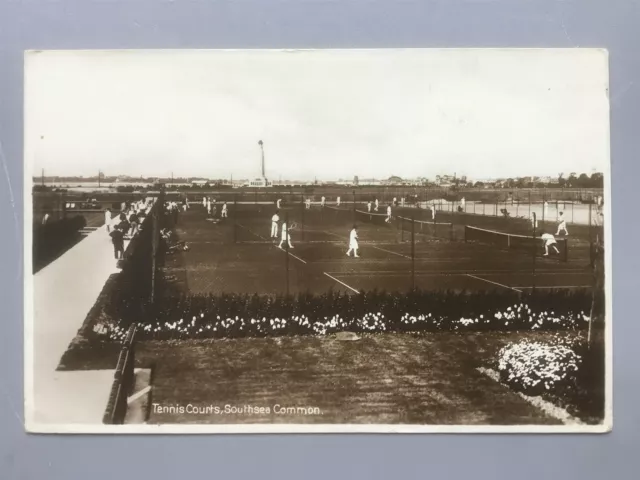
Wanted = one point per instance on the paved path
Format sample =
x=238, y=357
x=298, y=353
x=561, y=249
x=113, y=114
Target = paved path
x=63, y=293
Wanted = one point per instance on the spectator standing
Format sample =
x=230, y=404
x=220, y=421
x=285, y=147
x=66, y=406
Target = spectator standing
x=117, y=238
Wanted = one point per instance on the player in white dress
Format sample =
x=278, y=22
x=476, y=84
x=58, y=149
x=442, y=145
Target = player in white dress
x=353, y=242
x=204, y=202
x=285, y=235
x=463, y=204
x=209, y=206
x=322, y=201
x=395, y=202
x=278, y=203
x=549, y=241
x=369, y=206
x=274, y=225
x=388, y=219
x=377, y=205
x=338, y=201
x=224, y=210
x=562, y=225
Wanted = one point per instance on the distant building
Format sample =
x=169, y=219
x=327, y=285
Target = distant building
x=260, y=183
x=199, y=182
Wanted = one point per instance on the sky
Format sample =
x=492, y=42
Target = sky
x=323, y=114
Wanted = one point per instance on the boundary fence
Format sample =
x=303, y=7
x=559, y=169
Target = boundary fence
x=123, y=381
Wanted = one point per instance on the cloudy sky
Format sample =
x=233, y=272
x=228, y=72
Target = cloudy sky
x=324, y=114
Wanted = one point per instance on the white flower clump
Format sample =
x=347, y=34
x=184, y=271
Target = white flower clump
x=373, y=322
x=537, y=366
x=201, y=325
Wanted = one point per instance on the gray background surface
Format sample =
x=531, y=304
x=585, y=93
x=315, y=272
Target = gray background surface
x=42, y=24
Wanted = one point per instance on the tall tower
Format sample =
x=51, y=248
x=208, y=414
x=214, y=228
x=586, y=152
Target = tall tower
x=260, y=142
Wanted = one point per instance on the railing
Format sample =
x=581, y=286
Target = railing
x=123, y=381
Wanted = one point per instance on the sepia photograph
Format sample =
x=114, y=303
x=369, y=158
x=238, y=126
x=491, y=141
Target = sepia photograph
x=259, y=241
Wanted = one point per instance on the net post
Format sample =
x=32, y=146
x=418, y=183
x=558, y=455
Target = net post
x=535, y=247
x=286, y=248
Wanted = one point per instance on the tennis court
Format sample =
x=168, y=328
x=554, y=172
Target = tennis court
x=237, y=255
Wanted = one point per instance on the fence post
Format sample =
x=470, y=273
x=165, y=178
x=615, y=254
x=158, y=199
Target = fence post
x=413, y=253
x=235, y=218
x=286, y=248
x=535, y=247
x=302, y=215
x=155, y=233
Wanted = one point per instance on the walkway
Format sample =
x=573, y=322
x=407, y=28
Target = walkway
x=63, y=293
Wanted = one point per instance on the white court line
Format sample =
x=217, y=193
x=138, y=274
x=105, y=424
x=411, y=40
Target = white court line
x=559, y=286
x=264, y=238
x=389, y=251
x=341, y=283
x=495, y=283
x=452, y=272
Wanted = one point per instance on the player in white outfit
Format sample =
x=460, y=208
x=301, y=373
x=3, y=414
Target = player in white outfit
x=377, y=205
x=562, y=225
x=353, y=242
x=285, y=235
x=107, y=219
x=369, y=206
x=388, y=219
x=209, y=206
x=395, y=202
x=322, y=201
x=274, y=225
x=549, y=241
x=308, y=203
x=224, y=210
x=278, y=203
x=338, y=201
x=204, y=202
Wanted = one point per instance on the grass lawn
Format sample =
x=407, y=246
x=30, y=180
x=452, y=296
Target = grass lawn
x=386, y=378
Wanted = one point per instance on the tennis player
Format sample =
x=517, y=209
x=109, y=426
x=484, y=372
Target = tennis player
x=285, y=235
x=209, y=206
x=377, y=205
x=308, y=203
x=204, y=202
x=562, y=225
x=224, y=210
x=549, y=241
x=353, y=242
x=322, y=201
x=388, y=219
x=274, y=225
x=278, y=203
x=338, y=201
x=369, y=206
x=395, y=202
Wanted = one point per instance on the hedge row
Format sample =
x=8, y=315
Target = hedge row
x=239, y=315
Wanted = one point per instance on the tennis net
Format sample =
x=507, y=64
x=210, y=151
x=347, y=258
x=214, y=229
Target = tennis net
x=372, y=218
x=425, y=229
x=511, y=241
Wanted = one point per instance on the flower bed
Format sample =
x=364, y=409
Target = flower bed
x=235, y=316
x=536, y=368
